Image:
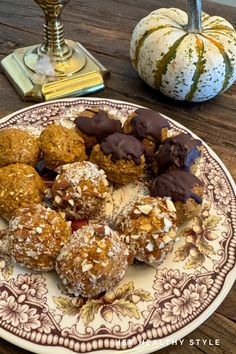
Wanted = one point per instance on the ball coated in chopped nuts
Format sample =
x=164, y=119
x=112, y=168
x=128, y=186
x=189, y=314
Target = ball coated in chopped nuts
x=94, y=260
x=36, y=235
x=79, y=190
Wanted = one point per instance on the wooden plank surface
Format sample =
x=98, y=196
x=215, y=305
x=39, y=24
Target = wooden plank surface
x=105, y=27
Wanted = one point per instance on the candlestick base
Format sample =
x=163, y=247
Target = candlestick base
x=35, y=86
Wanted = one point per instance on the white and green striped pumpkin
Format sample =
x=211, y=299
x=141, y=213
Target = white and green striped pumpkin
x=186, y=56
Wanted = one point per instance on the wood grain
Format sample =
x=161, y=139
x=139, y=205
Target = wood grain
x=105, y=27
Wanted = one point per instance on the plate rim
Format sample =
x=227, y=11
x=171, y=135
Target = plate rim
x=148, y=347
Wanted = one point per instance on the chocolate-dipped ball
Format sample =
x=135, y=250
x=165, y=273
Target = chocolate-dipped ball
x=148, y=126
x=184, y=189
x=94, y=125
x=121, y=157
x=178, y=152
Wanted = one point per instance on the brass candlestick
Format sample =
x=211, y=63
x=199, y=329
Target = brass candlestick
x=57, y=68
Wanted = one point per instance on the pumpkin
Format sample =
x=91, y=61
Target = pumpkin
x=186, y=56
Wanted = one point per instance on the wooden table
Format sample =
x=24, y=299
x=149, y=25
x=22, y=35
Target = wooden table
x=105, y=27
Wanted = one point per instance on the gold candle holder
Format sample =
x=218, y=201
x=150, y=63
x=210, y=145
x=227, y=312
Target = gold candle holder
x=58, y=68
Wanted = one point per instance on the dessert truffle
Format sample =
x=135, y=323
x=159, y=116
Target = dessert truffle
x=121, y=156
x=36, y=235
x=178, y=152
x=94, y=260
x=149, y=228
x=184, y=189
x=18, y=146
x=80, y=189
x=94, y=125
x=20, y=186
x=148, y=126
x=61, y=146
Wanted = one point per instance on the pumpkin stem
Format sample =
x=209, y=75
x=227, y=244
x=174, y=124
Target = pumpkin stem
x=194, y=15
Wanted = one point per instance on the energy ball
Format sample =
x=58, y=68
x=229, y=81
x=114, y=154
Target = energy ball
x=94, y=125
x=61, y=146
x=18, y=146
x=149, y=228
x=178, y=152
x=79, y=190
x=36, y=235
x=184, y=189
x=148, y=126
x=20, y=186
x=94, y=260
x=121, y=157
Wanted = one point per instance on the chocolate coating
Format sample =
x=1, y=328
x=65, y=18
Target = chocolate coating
x=180, y=151
x=123, y=147
x=148, y=123
x=177, y=185
x=100, y=125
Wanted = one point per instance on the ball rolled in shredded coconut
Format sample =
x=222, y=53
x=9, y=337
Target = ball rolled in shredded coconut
x=80, y=190
x=149, y=228
x=36, y=235
x=94, y=260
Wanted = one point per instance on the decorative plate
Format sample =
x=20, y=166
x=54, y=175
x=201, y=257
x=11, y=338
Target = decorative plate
x=150, y=308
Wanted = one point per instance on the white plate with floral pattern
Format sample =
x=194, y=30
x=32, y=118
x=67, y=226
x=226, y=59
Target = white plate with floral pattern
x=150, y=308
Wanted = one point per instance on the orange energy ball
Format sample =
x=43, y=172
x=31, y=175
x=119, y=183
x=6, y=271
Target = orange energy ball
x=148, y=226
x=20, y=186
x=61, y=146
x=94, y=260
x=79, y=190
x=148, y=126
x=94, y=125
x=36, y=235
x=18, y=146
x=121, y=156
x=185, y=189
